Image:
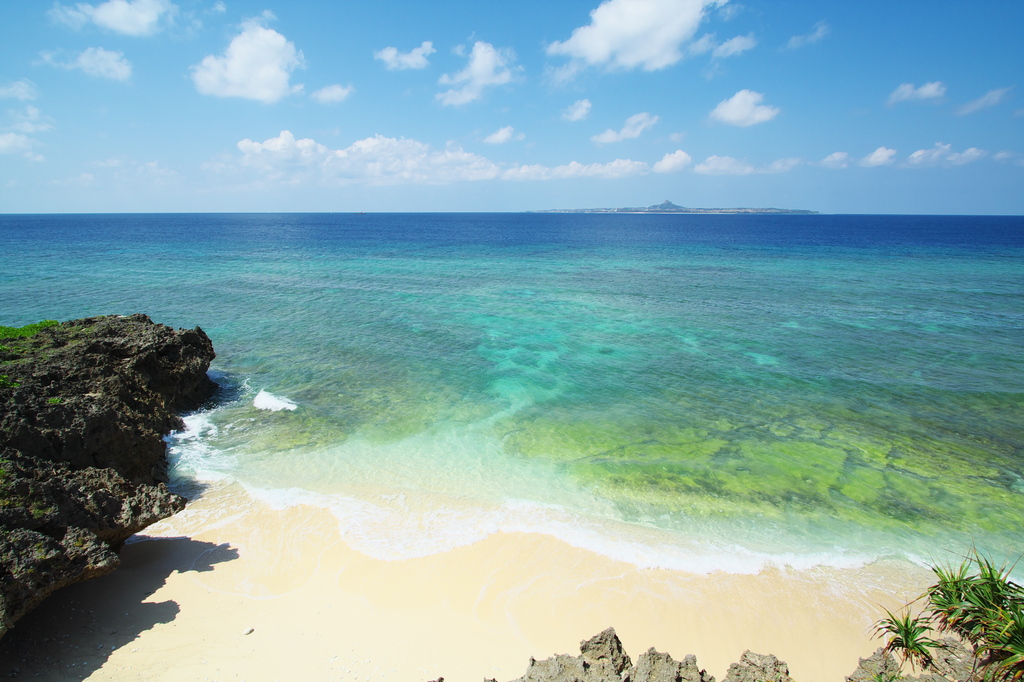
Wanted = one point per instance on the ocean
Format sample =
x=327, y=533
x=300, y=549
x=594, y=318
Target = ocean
x=695, y=392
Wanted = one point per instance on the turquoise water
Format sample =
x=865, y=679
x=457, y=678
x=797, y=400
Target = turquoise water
x=701, y=392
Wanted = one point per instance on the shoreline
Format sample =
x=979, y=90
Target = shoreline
x=190, y=590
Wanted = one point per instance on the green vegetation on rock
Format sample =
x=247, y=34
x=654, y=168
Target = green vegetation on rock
x=976, y=602
x=27, y=330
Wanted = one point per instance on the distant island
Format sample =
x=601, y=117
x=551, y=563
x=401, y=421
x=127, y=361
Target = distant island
x=668, y=207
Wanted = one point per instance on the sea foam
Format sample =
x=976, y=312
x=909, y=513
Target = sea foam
x=271, y=402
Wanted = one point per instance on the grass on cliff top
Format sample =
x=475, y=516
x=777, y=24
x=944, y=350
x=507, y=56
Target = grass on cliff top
x=27, y=330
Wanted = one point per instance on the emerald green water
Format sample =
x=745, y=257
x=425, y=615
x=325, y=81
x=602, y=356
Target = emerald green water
x=694, y=392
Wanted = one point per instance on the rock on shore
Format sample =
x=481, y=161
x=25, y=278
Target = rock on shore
x=84, y=406
x=602, y=659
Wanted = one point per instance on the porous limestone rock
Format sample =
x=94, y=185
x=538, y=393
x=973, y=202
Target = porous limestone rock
x=758, y=668
x=84, y=406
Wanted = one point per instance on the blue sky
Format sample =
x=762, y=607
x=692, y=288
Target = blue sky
x=186, y=105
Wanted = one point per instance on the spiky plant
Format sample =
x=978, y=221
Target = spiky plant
x=908, y=638
x=975, y=601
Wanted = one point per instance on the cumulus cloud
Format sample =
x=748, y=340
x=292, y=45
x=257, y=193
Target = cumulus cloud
x=631, y=34
x=332, y=93
x=744, y=109
x=989, y=99
x=256, y=65
x=95, y=61
x=383, y=160
x=577, y=111
x=129, y=17
x=835, y=160
x=635, y=125
x=727, y=165
x=943, y=154
x=882, y=156
x=821, y=30
x=503, y=135
x=21, y=89
x=374, y=160
x=415, y=58
x=672, y=162
x=908, y=93
x=487, y=66
x=619, y=168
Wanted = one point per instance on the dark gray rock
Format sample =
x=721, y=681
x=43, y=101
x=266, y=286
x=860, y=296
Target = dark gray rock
x=83, y=411
x=758, y=668
x=654, y=666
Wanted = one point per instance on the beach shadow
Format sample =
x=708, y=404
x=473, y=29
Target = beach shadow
x=71, y=634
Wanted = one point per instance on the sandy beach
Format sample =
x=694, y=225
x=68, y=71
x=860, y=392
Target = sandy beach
x=232, y=589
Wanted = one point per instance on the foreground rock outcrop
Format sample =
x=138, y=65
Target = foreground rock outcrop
x=84, y=406
x=602, y=659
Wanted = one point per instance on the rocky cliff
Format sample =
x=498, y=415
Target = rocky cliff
x=84, y=406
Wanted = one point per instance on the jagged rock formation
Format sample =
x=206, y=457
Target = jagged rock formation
x=602, y=659
x=878, y=666
x=758, y=668
x=84, y=406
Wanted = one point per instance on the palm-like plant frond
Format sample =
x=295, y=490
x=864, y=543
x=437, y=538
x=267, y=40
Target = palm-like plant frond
x=907, y=638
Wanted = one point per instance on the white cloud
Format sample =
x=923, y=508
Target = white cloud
x=130, y=17
x=734, y=46
x=1004, y=155
x=705, y=44
x=374, y=160
x=219, y=7
x=503, y=135
x=619, y=168
x=31, y=121
x=95, y=61
x=730, y=12
x=908, y=93
x=882, y=156
x=383, y=160
x=16, y=143
x=415, y=58
x=672, y=162
x=577, y=111
x=989, y=99
x=966, y=156
x=332, y=93
x=487, y=66
x=630, y=34
x=744, y=109
x=21, y=89
x=943, y=154
x=781, y=166
x=821, y=30
x=256, y=65
x=13, y=143
x=635, y=124
x=727, y=165
x=724, y=165
x=836, y=160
